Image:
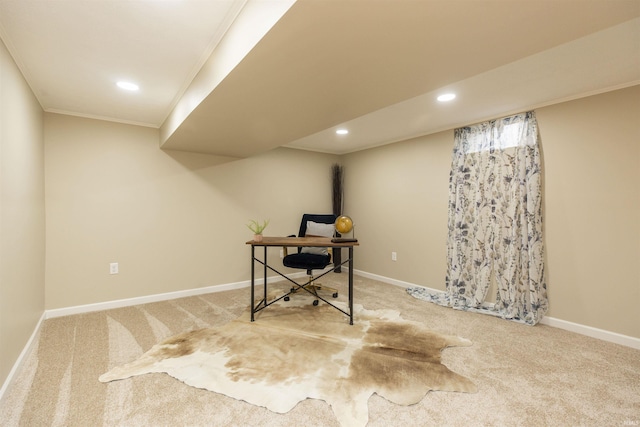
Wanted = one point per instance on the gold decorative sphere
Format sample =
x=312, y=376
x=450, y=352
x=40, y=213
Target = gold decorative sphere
x=344, y=224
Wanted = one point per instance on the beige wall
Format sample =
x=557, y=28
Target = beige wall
x=21, y=213
x=173, y=221
x=591, y=151
x=397, y=195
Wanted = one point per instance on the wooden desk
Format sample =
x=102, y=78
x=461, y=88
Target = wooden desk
x=321, y=242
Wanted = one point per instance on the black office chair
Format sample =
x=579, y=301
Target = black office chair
x=312, y=258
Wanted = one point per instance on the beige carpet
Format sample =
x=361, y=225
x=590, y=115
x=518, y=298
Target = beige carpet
x=526, y=376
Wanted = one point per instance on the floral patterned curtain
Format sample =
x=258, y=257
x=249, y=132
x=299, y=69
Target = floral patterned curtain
x=495, y=221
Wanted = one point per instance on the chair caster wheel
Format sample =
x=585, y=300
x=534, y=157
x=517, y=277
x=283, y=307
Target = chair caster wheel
x=315, y=302
x=286, y=298
x=293, y=289
x=335, y=295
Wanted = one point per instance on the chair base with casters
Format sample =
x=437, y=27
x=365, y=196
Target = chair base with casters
x=313, y=287
x=310, y=259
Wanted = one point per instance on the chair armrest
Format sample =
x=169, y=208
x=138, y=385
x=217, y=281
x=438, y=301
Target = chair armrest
x=284, y=248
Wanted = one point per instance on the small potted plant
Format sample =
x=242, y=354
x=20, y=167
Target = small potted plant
x=257, y=229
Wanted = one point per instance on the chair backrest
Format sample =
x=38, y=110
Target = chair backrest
x=321, y=218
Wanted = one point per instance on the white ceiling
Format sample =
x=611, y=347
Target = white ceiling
x=374, y=67
x=72, y=52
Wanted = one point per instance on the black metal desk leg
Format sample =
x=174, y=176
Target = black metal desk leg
x=265, y=276
x=253, y=276
x=351, y=285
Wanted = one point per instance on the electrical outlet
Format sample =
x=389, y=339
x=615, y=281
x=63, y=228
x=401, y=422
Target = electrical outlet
x=394, y=256
x=113, y=268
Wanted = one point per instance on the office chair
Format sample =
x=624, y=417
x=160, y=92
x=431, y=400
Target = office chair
x=312, y=258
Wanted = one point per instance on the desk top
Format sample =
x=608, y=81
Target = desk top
x=324, y=242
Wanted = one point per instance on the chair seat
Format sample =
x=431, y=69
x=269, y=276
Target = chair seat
x=307, y=261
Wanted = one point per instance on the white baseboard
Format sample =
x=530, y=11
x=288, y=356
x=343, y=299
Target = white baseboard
x=108, y=305
x=589, y=331
x=87, y=308
x=592, y=332
x=22, y=356
x=391, y=281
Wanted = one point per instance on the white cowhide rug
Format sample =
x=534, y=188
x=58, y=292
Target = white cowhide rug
x=294, y=351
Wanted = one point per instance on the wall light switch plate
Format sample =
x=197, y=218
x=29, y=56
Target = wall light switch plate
x=113, y=268
x=394, y=256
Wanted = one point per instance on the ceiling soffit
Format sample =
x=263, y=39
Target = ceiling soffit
x=324, y=63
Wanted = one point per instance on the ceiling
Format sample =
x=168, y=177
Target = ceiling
x=238, y=77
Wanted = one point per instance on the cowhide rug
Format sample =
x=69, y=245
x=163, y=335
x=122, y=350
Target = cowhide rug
x=295, y=350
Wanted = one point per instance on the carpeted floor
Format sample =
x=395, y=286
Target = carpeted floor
x=526, y=376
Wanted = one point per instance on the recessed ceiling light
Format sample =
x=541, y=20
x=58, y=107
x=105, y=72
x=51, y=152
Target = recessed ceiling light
x=447, y=97
x=128, y=86
x=342, y=131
